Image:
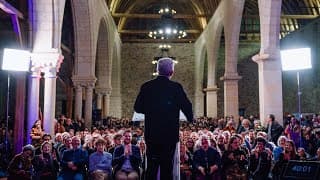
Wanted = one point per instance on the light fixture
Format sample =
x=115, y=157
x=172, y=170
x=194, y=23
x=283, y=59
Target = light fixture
x=296, y=60
x=169, y=31
x=167, y=11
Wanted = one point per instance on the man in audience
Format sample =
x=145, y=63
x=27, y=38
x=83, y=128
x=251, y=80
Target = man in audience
x=126, y=159
x=207, y=161
x=116, y=142
x=274, y=129
x=74, y=162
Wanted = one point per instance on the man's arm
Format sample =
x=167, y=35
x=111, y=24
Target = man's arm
x=185, y=104
x=139, y=103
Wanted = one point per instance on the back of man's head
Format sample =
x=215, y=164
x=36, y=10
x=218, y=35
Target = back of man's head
x=272, y=117
x=165, y=66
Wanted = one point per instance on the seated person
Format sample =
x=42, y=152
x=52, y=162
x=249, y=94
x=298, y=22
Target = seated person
x=20, y=166
x=126, y=159
x=260, y=160
x=185, y=163
x=73, y=163
x=100, y=162
x=45, y=164
x=207, y=161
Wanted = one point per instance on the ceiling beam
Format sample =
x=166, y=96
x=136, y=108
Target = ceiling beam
x=159, y=40
x=156, y=16
x=194, y=16
x=190, y=31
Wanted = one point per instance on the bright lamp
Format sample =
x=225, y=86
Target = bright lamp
x=296, y=59
x=15, y=60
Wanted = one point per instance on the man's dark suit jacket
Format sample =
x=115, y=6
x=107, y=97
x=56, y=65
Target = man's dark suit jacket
x=160, y=100
x=134, y=158
x=78, y=156
x=276, y=131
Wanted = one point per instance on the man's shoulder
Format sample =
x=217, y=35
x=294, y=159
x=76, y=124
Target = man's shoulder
x=160, y=81
x=119, y=147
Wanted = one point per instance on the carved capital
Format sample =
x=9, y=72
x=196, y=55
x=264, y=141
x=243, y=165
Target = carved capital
x=103, y=91
x=262, y=56
x=231, y=77
x=84, y=81
x=213, y=88
x=47, y=61
x=35, y=72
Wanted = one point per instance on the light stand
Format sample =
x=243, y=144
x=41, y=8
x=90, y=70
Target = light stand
x=6, y=141
x=299, y=107
x=297, y=59
x=13, y=60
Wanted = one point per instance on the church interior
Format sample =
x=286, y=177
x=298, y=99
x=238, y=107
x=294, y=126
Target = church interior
x=88, y=58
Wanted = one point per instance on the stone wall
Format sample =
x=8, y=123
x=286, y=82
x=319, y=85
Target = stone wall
x=142, y=54
x=137, y=68
x=248, y=85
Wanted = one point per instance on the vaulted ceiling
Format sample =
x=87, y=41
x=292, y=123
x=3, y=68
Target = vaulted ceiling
x=135, y=18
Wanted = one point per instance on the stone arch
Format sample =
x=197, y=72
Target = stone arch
x=208, y=45
x=103, y=64
x=200, y=51
x=231, y=23
x=103, y=61
x=211, y=90
x=84, y=54
x=115, y=97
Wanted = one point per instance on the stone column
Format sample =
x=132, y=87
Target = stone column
x=78, y=102
x=232, y=23
x=269, y=64
x=33, y=99
x=231, y=97
x=50, y=62
x=50, y=77
x=212, y=101
x=19, y=111
x=69, y=101
x=106, y=104
x=99, y=100
x=199, y=103
x=88, y=105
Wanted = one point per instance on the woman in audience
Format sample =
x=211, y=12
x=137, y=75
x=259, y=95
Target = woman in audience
x=100, y=162
x=185, y=163
x=45, y=165
x=36, y=133
x=289, y=153
x=279, y=149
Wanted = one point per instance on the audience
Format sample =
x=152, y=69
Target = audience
x=215, y=148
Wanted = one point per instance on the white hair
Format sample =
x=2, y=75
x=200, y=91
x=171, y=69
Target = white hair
x=165, y=66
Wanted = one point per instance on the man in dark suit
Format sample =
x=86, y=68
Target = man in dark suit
x=161, y=100
x=274, y=129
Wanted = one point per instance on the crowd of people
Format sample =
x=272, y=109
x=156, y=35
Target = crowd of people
x=210, y=148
